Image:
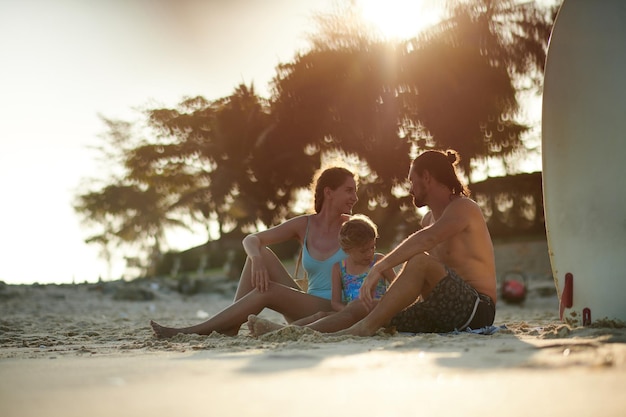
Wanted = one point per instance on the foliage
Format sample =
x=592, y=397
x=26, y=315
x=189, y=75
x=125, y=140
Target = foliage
x=239, y=161
x=512, y=205
x=124, y=211
x=467, y=71
x=205, y=154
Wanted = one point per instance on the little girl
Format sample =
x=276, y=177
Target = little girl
x=357, y=238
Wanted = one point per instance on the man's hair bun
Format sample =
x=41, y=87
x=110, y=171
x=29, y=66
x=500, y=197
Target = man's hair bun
x=452, y=156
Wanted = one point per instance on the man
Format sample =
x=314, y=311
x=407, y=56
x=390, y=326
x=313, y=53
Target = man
x=448, y=280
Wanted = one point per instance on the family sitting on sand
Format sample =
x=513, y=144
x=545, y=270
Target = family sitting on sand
x=447, y=281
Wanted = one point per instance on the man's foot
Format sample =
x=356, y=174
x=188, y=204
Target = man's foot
x=358, y=329
x=162, y=332
x=259, y=326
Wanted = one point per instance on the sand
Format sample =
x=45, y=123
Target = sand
x=77, y=350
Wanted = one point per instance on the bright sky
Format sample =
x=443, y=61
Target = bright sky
x=64, y=62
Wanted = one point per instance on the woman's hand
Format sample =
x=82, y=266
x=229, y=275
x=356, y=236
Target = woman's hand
x=260, y=277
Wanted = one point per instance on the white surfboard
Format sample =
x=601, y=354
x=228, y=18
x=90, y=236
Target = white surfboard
x=584, y=159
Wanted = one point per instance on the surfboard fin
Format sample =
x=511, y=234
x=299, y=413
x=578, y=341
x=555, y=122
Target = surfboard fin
x=568, y=294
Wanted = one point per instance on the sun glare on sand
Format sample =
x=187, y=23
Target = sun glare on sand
x=400, y=19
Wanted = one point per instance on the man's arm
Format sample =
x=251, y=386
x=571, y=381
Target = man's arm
x=453, y=220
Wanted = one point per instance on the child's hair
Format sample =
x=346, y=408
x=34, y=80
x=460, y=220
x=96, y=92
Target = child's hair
x=357, y=231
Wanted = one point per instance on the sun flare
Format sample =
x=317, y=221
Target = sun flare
x=400, y=19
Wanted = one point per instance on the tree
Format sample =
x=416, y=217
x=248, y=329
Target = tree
x=238, y=160
x=467, y=71
x=455, y=86
x=206, y=155
x=122, y=210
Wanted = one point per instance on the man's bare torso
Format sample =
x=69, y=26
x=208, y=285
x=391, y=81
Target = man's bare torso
x=470, y=252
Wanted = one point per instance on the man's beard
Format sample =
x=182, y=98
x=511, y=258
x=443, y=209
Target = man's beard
x=418, y=202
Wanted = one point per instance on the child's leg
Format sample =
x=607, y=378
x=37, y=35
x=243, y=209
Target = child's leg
x=312, y=318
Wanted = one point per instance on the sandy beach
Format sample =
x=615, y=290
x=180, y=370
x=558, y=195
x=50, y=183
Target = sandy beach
x=76, y=350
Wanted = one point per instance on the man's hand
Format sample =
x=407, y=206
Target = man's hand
x=366, y=293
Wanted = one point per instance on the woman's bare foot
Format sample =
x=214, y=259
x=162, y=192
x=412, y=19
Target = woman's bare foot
x=259, y=326
x=162, y=332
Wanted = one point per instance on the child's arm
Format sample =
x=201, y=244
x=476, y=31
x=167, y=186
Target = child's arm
x=335, y=300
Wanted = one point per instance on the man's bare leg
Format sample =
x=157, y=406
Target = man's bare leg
x=418, y=272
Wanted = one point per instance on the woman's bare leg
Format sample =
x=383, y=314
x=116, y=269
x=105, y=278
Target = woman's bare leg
x=274, y=266
x=286, y=300
x=405, y=290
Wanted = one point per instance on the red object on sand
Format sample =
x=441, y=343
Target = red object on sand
x=513, y=291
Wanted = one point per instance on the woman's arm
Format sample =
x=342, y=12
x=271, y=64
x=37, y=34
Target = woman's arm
x=291, y=229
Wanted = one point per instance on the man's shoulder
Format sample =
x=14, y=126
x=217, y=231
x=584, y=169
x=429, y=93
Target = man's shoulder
x=467, y=208
x=464, y=203
x=472, y=211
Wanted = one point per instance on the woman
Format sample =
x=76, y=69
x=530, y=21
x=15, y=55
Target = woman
x=264, y=281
